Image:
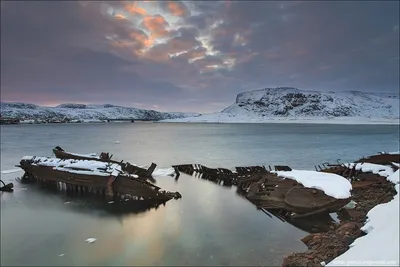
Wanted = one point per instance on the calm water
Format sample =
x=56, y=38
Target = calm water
x=210, y=225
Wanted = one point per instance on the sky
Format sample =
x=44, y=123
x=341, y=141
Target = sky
x=193, y=56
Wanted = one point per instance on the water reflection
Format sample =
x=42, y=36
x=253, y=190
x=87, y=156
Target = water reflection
x=310, y=224
x=96, y=205
x=212, y=225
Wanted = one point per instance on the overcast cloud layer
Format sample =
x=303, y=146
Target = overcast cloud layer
x=193, y=56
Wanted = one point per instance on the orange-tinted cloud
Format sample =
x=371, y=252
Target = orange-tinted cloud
x=177, y=8
x=134, y=9
x=137, y=42
x=119, y=16
x=156, y=25
x=142, y=39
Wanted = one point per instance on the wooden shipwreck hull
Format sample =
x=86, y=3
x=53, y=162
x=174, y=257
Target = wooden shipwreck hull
x=105, y=157
x=224, y=176
x=105, y=178
x=268, y=191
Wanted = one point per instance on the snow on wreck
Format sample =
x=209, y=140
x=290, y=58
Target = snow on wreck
x=91, y=176
x=333, y=185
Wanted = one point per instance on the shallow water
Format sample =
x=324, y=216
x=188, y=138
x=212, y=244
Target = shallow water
x=210, y=225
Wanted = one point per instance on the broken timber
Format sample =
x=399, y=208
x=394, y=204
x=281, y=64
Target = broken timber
x=6, y=187
x=83, y=176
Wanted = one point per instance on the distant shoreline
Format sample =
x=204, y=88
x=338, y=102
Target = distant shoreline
x=331, y=122
x=353, y=121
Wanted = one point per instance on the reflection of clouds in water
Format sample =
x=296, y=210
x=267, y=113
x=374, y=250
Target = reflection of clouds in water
x=134, y=241
x=144, y=242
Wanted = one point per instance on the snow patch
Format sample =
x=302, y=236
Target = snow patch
x=91, y=155
x=164, y=172
x=381, y=170
x=332, y=184
x=394, y=178
x=380, y=247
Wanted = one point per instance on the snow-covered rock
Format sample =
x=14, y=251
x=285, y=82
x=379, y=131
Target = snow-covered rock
x=81, y=112
x=291, y=104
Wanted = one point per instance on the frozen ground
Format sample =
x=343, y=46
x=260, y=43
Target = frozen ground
x=380, y=247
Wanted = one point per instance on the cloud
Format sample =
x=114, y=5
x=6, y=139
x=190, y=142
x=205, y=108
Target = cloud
x=51, y=55
x=203, y=50
x=157, y=26
x=134, y=9
x=194, y=54
x=183, y=42
x=120, y=16
x=177, y=8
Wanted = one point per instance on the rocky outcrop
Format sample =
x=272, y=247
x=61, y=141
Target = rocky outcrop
x=292, y=102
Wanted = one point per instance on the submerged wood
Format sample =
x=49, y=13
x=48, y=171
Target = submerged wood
x=6, y=187
x=306, y=200
x=267, y=190
x=220, y=175
x=106, y=182
x=104, y=157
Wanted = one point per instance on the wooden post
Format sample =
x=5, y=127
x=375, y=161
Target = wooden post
x=177, y=173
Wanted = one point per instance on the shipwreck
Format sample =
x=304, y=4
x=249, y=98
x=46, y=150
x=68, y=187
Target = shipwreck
x=268, y=191
x=91, y=176
x=106, y=157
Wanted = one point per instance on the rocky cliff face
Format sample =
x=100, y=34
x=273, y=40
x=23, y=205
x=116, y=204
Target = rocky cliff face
x=292, y=102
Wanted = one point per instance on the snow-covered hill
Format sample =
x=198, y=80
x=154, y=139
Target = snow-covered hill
x=83, y=112
x=284, y=104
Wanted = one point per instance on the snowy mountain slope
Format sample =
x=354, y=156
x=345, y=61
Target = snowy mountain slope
x=288, y=104
x=83, y=112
